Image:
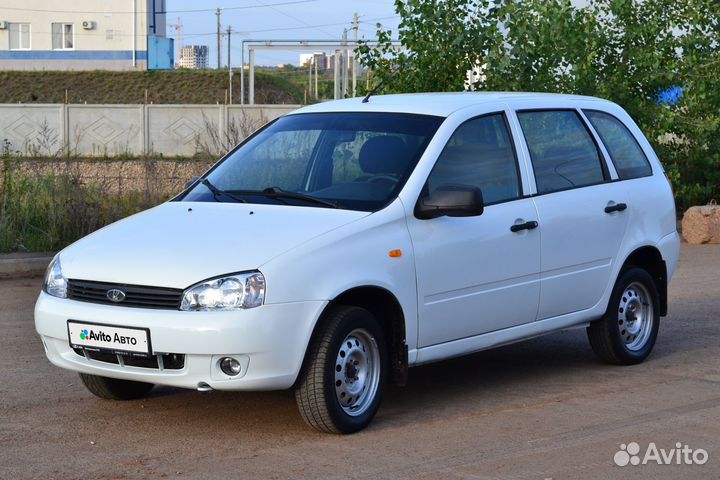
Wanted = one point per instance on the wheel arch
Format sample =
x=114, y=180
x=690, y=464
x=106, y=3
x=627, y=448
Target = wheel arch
x=385, y=306
x=650, y=259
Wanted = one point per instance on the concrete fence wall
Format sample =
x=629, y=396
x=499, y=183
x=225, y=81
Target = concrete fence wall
x=134, y=130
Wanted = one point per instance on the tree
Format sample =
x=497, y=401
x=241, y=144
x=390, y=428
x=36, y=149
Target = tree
x=629, y=52
x=441, y=41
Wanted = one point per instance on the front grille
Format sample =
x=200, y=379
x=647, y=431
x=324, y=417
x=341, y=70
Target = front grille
x=135, y=295
x=167, y=361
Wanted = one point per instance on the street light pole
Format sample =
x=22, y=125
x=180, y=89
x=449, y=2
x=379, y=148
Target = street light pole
x=230, y=70
x=219, y=39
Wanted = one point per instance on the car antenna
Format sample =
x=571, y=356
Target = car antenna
x=375, y=89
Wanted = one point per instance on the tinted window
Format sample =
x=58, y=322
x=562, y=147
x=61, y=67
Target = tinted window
x=352, y=158
x=563, y=153
x=355, y=160
x=629, y=159
x=480, y=154
x=279, y=161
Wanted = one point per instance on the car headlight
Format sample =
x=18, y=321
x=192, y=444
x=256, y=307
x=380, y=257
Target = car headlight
x=242, y=290
x=55, y=283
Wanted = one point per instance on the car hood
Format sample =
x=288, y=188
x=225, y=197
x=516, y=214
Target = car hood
x=178, y=244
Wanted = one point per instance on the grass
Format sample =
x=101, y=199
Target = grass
x=176, y=86
x=42, y=211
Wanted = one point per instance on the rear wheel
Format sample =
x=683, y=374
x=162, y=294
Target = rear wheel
x=342, y=383
x=115, y=389
x=627, y=333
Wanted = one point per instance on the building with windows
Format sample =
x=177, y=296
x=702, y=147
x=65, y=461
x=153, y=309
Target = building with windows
x=84, y=35
x=193, y=56
x=321, y=59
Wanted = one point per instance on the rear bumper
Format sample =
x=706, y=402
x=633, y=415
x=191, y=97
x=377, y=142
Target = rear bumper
x=269, y=341
x=669, y=247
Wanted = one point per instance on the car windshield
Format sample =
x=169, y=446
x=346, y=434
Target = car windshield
x=357, y=161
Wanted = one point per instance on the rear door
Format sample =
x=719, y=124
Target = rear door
x=581, y=211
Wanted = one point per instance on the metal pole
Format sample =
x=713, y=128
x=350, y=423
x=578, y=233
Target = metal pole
x=310, y=76
x=242, y=72
x=305, y=42
x=354, y=62
x=316, y=81
x=230, y=70
x=251, y=80
x=219, y=40
x=345, y=60
x=337, y=74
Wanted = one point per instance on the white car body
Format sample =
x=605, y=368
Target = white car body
x=462, y=284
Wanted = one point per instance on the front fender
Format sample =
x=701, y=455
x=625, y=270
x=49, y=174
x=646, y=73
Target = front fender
x=355, y=255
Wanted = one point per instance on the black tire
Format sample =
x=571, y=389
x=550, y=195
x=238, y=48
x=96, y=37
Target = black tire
x=115, y=389
x=316, y=394
x=608, y=336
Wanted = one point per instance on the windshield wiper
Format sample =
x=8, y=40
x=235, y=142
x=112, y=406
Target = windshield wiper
x=217, y=192
x=270, y=192
x=277, y=192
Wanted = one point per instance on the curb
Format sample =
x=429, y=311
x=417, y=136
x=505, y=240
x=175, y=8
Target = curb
x=24, y=264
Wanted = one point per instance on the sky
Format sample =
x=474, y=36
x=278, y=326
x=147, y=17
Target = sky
x=276, y=20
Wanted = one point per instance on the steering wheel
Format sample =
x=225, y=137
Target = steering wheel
x=380, y=178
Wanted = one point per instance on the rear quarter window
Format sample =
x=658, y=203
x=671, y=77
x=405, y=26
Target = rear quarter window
x=625, y=152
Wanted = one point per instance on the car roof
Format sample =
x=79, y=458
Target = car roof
x=439, y=104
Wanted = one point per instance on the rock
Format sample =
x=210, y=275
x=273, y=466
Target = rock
x=702, y=224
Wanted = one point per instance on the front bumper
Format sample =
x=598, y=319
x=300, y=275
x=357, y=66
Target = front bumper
x=270, y=341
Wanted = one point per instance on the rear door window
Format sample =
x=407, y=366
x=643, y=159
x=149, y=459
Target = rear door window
x=625, y=152
x=562, y=151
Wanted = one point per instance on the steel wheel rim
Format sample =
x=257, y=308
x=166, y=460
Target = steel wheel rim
x=635, y=316
x=357, y=372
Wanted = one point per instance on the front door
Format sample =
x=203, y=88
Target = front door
x=476, y=274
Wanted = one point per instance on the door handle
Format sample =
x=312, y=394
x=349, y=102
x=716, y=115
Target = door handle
x=618, y=207
x=524, y=226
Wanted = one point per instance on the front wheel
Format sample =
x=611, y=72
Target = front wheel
x=114, y=388
x=627, y=333
x=342, y=382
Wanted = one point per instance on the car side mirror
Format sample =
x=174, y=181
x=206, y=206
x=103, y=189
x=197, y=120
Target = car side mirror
x=191, y=182
x=451, y=201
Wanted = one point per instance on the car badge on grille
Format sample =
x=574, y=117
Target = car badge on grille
x=115, y=295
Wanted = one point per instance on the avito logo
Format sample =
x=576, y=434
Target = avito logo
x=101, y=336
x=680, y=455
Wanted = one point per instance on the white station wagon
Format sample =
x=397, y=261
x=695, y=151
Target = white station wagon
x=347, y=241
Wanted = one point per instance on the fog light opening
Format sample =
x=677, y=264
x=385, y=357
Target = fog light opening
x=230, y=366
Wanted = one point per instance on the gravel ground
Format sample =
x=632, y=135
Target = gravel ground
x=541, y=409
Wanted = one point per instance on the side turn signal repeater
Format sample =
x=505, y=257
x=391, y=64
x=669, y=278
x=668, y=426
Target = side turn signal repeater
x=395, y=253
